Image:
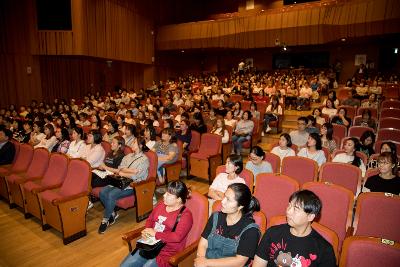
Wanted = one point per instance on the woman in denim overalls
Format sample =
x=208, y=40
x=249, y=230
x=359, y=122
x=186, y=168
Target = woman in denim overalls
x=215, y=248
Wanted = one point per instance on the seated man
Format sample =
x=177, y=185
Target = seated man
x=7, y=149
x=296, y=242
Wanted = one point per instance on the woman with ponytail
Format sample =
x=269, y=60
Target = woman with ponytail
x=231, y=236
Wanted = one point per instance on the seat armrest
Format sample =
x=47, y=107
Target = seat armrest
x=349, y=231
x=38, y=190
x=128, y=236
x=149, y=180
x=178, y=257
x=68, y=198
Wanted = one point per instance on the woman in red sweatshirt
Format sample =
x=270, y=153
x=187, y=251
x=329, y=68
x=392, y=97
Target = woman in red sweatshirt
x=160, y=224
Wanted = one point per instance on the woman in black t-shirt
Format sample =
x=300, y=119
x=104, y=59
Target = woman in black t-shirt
x=230, y=237
x=387, y=180
x=111, y=162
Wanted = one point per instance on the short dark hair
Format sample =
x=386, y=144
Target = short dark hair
x=317, y=138
x=179, y=189
x=258, y=151
x=7, y=132
x=302, y=118
x=237, y=162
x=309, y=201
x=97, y=138
x=288, y=139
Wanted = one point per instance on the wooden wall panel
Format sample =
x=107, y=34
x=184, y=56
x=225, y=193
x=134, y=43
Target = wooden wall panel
x=292, y=25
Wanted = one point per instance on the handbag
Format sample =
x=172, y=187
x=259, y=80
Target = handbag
x=120, y=181
x=151, y=251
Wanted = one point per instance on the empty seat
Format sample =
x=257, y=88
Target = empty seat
x=369, y=251
x=390, y=104
x=21, y=164
x=337, y=206
x=273, y=192
x=36, y=169
x=52, y=178
x=389, y=122
x=389, y=134
x=203, y=164
x=65, y=209
x=390, y=112
x=301, y=169
x=340, y=131
x=343, y=174
x=385, y=208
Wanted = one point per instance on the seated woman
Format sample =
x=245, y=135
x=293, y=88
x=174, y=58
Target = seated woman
x=185, y=134
x=112, y=131
x=329, y=109
x=198, y=123
x=93, y=152
x=219, y=129
x=135, y=166
x=63, y=142
x=149, y=135
x=233, y=166
x=327, y=137
x=284, y=149
x=243, y=132
x=387, y=180
x=130, y=134
x=350, y=147
x=50, y=140
x=385, y=147
x=167, y=152
x=256, y=163
x=229, y=120
x=367, y=120
x=332, y=97
x=313, y=150
x=254, y=112
x=37, y=134
x=312, y=125
x=160, y=224
x=341, y=118
x=317, y=115
x=110, y=164
x=371, y=103
x=367, y=143
x=237, y=110
x=231, y=236
x=271, y=113
x=77, y=145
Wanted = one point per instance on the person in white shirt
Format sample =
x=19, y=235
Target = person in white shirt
x=300, y=136
x=314, y=149
x=350, y=147
x=219, y=129
x=50, y=140
x=329, y=109
x=94, y=152
x=37, y=133
x=130, y=134
x=233, y=166
x=284, y=149
x=77, y=145
x=229, y=120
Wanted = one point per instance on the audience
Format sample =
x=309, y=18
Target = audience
x=284, y=147
x=351, y=146
x=313, y=150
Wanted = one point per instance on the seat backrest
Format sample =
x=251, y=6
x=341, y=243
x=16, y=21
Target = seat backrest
x=39, y=163
x=390, y=104
x=77, y=179
x=374, y=111
x=198, y=205
x=382, y=206
x=273, y=192
x=210, y=144
x=390, y=112
x=17, y=146
x=274, y=160
x=357, y=131
x=337, y=206
x=56, y=170
x=339, y=130
x=245, y=105
x=127, y=150
x=389, y=134
x=195, y=141
x=245, y=174
x=324, y=231
x=369, y=251
x=378, y=145
x=153, y=161
x=344, y=174
x=106, y=146
x=389, y=122
x=24, y=158
x=301, y=169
